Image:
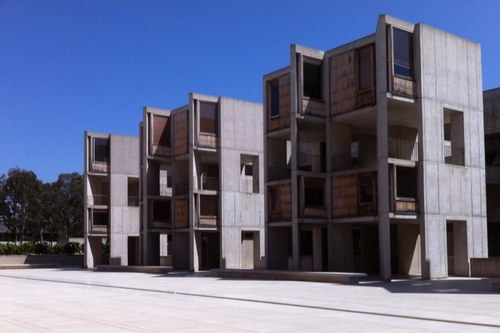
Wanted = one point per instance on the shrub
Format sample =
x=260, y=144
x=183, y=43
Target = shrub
x=40, y=248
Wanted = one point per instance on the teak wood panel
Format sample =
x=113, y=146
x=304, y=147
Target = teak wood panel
x=181, y=131
x=402, y=86
x=284, y=211
x=181, y=217
x=160, y=141
x=343, y=82
x=345, y=196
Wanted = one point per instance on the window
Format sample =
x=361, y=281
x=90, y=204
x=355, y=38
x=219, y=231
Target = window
x=365, y=70
x=249, y=173
x=274, y=89
x=165, y=180
x=312, y=80
x=101, y=150
x=306, y=243
x=403, y=53
x=209, y=205
x=313, y=197
x=406, y=182
x=453, y=137
x=133, y=192
x=161, y=211
x=366, y=189
x=208, y=117
x=100, y=217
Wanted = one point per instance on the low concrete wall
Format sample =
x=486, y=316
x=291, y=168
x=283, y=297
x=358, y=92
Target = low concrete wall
x=42, y=259
x=485, y=267
x=331, y=277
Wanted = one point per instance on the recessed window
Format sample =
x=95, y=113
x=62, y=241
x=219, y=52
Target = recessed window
x=275, y=199
x=208, y=117
x=101, y=150
x=100, y=217
x=403, y=53
x=365, y=68
x=366, y=189
x=161, y=211
x=274, y=90
x=406, y=180
x=133, y=192
x=312, y=80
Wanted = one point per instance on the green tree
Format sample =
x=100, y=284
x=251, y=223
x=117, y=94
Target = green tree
x=21, y=204
x=67, y=205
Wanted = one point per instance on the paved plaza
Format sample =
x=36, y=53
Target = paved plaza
x=74, y=300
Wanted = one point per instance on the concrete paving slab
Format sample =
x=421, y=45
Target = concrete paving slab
x=59, y=300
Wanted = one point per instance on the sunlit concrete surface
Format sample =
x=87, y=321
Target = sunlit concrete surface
x=52, y=300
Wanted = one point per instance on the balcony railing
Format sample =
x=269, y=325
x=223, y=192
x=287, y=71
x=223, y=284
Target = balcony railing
x=453, y=155
x=403, y=149
x=133, y=201
x=310, y=162
x=209, y=183
x=181, y=188
x=99, y=200
x=353, y=160
x=278, y=172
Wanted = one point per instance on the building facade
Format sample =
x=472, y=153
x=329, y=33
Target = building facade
x=492, y=155
x=374, y=155
x=202, y=200
x=111, y=199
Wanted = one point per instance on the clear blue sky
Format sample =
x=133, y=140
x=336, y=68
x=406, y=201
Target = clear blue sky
x=67, y=65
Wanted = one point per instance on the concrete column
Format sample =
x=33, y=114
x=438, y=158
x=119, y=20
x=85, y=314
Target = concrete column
x=341, y=259
x=434, y=253
x=317, y=245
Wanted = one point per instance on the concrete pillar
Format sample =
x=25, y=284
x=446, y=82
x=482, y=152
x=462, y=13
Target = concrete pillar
x=93, y=256
x=340, y=258
x=409, y=249
x=434, y=253
x=317, y=246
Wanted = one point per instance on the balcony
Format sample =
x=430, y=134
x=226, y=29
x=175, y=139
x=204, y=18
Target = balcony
x=310, y=162
x=99, y=167
x=208, y=183
x=98, y=200
x=403, y=149
x=354, y=160
x=181, y=188
x=453, y=155
x=278, y=172
x=133, y=201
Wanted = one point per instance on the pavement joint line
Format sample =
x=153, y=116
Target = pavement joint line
x=316, y=307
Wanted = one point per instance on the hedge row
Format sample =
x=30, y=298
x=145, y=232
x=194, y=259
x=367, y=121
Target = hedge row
x=40, y=248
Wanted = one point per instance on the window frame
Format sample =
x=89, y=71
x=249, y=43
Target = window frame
x=411, y=54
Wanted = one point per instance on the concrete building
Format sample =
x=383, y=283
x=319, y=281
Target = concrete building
x=492, y=154
x=111, y=200
x=202, y=198
x=374, y=155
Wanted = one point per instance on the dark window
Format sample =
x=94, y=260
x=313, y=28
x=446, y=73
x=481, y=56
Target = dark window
x=403, y=53
x=208, y=117
x=366, y=189
x=133, y=192
x=101, y=150
x=313, y=197
x=100, y=218
x=209, y=205
x=275, y=98
x=365, y=68
x=312, y=80
x=406, y=180
x=306, y=243
x=161, y=211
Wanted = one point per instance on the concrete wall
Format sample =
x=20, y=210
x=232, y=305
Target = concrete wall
x=485, y=267
x=240, y=134
x=448, y=70
x=42, y=259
